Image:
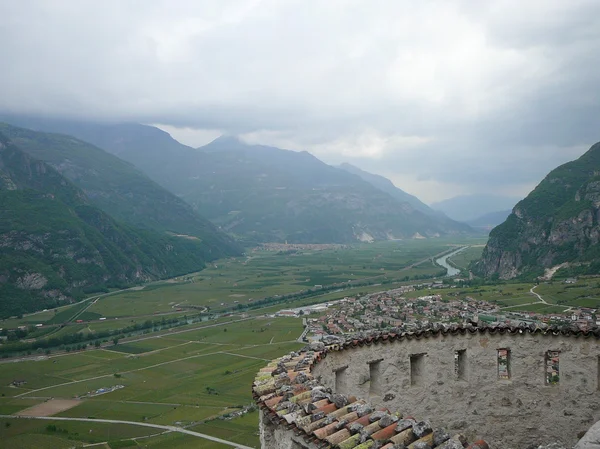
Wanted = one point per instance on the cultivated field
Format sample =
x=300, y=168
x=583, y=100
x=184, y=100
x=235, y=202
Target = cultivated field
x=197, y=374
x=183, y=379
x=237, y=282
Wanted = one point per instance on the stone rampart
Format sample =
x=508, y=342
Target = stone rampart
x=513, y=387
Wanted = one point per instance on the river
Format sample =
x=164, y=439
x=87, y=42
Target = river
x=442, y=261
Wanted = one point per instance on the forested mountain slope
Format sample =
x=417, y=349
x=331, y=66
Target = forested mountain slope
x=120, y=189
x=56, y=246
x=558, y=222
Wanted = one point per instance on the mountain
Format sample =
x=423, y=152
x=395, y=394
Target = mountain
x=260, y=193
x=558, y=222
x=466, y=208
x=270, y=194
x=120, y=189
x=385, y=185
x=56, y=246
x=490, y=220
x=388, y=187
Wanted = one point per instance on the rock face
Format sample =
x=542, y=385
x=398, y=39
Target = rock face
x=558, y=222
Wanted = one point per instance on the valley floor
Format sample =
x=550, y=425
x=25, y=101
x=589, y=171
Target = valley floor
x=187, y=375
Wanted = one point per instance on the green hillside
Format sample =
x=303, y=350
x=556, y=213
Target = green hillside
x=120, y=189
x=557, y=223
x=56, y=246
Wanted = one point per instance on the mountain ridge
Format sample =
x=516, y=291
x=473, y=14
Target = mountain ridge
x=465, y=208
x=119, y=188
x=384, y=184
x=57, y=247
x=558, y=222
x=260, y=193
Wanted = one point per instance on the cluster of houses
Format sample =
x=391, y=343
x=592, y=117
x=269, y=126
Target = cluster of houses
x=299, y=246
x=394, y=309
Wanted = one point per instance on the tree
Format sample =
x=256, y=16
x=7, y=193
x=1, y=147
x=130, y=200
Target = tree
x=115, y=341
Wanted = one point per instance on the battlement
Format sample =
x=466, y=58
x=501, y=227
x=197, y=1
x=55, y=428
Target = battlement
x=510, y=386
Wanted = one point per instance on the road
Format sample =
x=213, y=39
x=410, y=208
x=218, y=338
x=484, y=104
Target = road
x=537, y=294
x=195, y=356
x=531, y=290
x=142, y=424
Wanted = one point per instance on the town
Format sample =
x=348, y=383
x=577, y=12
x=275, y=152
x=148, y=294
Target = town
x=402, y=309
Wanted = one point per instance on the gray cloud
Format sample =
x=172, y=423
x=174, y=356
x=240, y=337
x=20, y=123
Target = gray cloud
x=444, y=97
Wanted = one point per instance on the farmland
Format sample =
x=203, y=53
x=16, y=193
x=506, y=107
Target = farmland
x=235, y=283
x=196, y=373
x=193, y=373
x=184, y=379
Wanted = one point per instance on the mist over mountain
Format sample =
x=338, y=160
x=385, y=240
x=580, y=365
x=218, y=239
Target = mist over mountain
x=261, y=193
x=388, y=186
x=490, y=220
x=120, y=189
x=467, y=208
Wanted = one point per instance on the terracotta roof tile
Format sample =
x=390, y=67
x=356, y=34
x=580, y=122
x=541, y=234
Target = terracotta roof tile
x=314, y=425
x=326, y=409
x=372, y=428
x=405, y=437
x=338, y=437
x=325, y=431
x=385, y=434
x=351, y=442
x=478, y=445
x=428, y=439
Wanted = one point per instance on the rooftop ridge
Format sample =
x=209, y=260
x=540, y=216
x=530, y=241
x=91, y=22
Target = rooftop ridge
x=377, y=336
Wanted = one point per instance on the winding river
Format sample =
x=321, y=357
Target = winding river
x=443, y=261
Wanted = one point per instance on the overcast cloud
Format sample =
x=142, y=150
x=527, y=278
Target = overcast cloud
x=443, y=97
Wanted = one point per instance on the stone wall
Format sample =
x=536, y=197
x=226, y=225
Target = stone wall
x=454, y=381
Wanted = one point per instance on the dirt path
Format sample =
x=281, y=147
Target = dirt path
x=49, y=408
x=142, y=424
x=537, y=294
x=246, y=356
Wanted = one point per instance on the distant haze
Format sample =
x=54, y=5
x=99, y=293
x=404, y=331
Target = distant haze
x=466, y=208
x=444, y=98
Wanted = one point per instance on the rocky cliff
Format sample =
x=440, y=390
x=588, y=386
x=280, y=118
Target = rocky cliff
x=558, y=222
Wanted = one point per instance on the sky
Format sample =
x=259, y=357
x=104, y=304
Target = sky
x=444, y=97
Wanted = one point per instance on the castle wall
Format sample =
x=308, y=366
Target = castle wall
x=456, y=381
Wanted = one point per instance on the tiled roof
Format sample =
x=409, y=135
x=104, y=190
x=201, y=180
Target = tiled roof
x=435, y=331
x=286, y=390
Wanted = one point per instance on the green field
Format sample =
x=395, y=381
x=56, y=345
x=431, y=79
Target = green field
x=266, y=273
x=195, y=375
x=465, y=257
x=35, y=434
x=237, y=283
x=181, y=379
